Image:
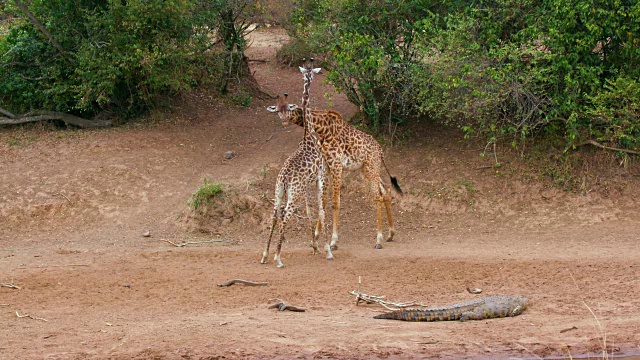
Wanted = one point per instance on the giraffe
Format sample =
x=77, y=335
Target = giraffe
x=303, y=167
x=346, y=148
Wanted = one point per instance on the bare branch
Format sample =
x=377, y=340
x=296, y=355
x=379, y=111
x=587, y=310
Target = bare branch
x=31, y=317
x=198, y=242
x=246, y=282
x=282, y=306
x=53, y=115
x=9, y=285
x=597, y=144
x=369, y=299
x=7, y=113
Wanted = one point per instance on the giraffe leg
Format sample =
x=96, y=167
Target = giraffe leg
x=276, y=258
x=292, y=197
x=322, y=202
x=387, y=204
x=336, y=182
x=265, y=253
x=379, y=235
x=277, y=203
x=314, y=229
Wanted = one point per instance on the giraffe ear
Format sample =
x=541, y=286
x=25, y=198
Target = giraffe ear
x=317, y=70
x=272, y=109
x=302, y=70
x=292, y=107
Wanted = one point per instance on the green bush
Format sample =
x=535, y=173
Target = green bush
x=499, y=69
x=367, y=50
x=122, y=57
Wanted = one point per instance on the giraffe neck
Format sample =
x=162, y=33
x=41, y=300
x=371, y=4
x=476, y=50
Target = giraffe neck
x=305, y=91
x=307, y=121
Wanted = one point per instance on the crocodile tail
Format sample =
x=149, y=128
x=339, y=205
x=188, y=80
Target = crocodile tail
x=390, y=316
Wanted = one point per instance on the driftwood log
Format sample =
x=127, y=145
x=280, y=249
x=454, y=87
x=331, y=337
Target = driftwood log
x=40, y=115
x=282, y=306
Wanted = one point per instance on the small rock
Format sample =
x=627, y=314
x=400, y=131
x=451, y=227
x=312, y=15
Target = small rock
x=146, y=233
x=229, y=155
x=226, y=222
x=474, y=290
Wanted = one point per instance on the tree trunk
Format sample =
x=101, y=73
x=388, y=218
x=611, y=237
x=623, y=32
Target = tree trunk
x=51, y=115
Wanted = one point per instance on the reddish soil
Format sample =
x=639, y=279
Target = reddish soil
x=74, y=206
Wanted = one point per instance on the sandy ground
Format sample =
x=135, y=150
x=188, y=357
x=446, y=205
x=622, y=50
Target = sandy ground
x=74, y=206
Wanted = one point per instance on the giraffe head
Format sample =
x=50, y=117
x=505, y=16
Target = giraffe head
x=308, y=70
x=283, y=109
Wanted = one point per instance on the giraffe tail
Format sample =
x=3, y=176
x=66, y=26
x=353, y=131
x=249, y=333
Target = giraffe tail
x=394, y=181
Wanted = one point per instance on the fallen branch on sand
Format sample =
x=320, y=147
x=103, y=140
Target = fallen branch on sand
x=31, y=317
x=39, y=115
x=9, y=285
x=282, y=306
x=246, y=282
x=199, y=242
x=370, y=299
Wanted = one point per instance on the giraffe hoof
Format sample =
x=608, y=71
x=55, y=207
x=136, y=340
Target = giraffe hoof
x=390, y=240
x=334, y=247
x=330, y=258
x=280, y=266
x=378, y=246
x=315, y=252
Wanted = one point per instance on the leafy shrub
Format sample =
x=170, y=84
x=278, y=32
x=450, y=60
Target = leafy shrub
x=367, y=50
x=500, y=69
x=206, y=194
x=123, y=57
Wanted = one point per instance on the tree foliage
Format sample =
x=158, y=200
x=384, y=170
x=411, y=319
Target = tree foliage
x=496, y=68
x=89, y=56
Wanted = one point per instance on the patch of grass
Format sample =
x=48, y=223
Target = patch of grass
x=206, y=194
x=467, y=184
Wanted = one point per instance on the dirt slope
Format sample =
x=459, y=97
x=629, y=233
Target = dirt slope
x=74, y=206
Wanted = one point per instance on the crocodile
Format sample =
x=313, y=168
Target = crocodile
x=477, y=309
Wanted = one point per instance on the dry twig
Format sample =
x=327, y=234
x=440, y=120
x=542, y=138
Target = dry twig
x=64, y=196
x=30, y=316
x=597, y=144
x=198, y=242
x=9, y=285
x=246, y=282
x=282, y=306
x=568, y=329
x=370, y=299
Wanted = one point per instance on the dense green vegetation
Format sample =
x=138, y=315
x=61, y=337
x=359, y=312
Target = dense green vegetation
x=500, y=69
x=121, y=57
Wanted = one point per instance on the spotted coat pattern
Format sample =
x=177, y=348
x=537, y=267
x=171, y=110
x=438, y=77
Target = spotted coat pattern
x=303, y=168
x=347, y=148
